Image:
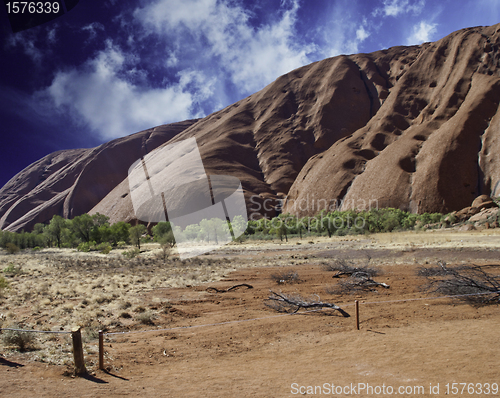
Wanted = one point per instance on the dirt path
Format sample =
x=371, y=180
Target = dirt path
x=232, y=345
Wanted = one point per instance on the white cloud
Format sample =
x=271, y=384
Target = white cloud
x=362, y=34
x=393, y=8
x=36, y=43
x=165, y=15
x=222, y=34
x=100, y=96
x=344, y=34
x=421, y=33
x=52, y=35
x=92, y=29
x=27, y=41
x=187, y=58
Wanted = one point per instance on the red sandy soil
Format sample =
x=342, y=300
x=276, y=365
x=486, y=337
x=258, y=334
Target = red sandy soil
x=249, y=350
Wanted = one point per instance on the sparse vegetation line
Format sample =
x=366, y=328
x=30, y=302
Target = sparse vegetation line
x=94, y=233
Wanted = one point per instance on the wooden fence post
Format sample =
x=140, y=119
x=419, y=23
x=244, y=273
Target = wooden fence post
x=78, y=351
x=356, y=305
x=101, y=350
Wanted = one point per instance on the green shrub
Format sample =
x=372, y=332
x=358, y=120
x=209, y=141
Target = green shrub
x=240, y=239
x=36, y=248
x=84, y=247
x=88, y=246
x=104, y=248
x=22, y=340
x=12, y=269
x=160, y=229
x=409, y=221
x=436, y=217
x=131, y=253
x=135, y=234
x=11, y=248
x=341, y=232
x=145, y=318
x=4, y=285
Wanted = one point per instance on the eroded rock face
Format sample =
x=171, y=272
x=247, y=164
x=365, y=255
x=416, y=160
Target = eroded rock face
x=416, y=128
x=72, y=182
x=266, y=139
x=433, y=144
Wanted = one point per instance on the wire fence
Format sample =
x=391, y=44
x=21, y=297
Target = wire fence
x=35, y=331
x=77, y=344
x=289, y=314
x=78, y=348
x=428, y=298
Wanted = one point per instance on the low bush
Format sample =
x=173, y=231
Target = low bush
x=146, y=318
x=4, y=285
x=21, y=340
x=131, y=253
x=285, y=277
x=104, y=248
x=12, y=270
x=84, y=247
x=11, y=248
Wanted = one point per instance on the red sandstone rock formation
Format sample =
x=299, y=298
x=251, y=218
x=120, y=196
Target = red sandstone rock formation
x=417, y=128
x=432, y=146
x=71, y=182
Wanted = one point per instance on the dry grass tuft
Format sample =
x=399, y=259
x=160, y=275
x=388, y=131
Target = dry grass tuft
x=286, y=277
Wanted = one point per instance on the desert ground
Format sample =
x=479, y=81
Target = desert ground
x=180, y=334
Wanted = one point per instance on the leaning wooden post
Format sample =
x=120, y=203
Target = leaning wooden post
x=356, y=306
x=101, y=350
x=78, y=351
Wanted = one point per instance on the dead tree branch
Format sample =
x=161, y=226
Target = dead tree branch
x=355, y=283
x=364, y=282
x=359, y=278
x=292, y=303
x=346, y=268
x=209, y=289
x=482, y=287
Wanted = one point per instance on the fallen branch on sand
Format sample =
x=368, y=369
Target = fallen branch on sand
x=362, y=282
x=345, y=268
x=474, y=284
x=355, y=283
x=214, y=289
x=292, y=303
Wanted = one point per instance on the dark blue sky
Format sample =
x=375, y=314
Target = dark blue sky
x=110, y=68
